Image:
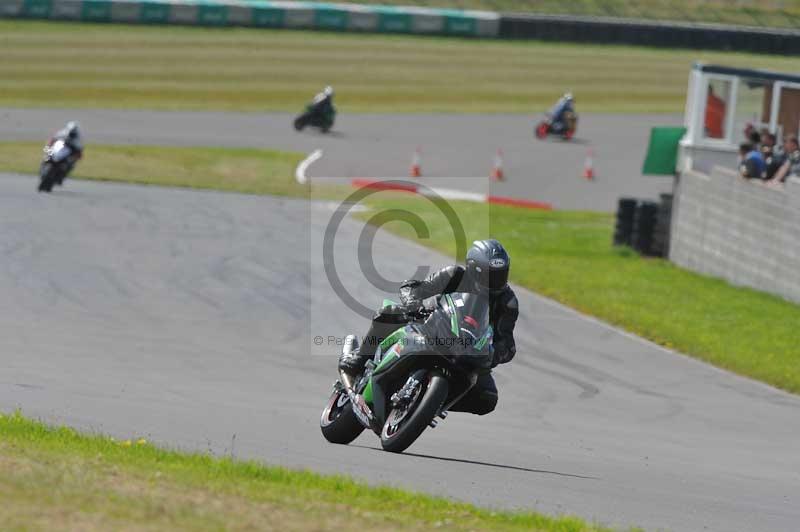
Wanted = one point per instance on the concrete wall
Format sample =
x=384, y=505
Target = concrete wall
x=704, y=158
x=741, y=231
x=263, y=13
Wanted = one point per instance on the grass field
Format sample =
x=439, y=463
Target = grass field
x=246, y=170
x=776, y=13
x=568, y=256
x=57, y=479
x=48, y=64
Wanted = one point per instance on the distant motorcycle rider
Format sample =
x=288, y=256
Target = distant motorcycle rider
x=319, y=113
x=323, y=101
x=71, y=135
x=562, y=110
x=486, y=272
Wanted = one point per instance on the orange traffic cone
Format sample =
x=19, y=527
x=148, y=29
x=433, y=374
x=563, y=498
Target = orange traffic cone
x=588, y=165
x=416, y=169
x=497, y=169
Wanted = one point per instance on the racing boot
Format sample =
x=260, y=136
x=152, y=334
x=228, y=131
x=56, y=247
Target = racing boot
x=351, y=361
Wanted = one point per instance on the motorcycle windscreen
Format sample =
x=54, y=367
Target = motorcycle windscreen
x=460, y=326
x=59, y=151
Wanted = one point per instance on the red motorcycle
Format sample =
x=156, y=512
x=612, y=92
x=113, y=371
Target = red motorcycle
x=565, y=128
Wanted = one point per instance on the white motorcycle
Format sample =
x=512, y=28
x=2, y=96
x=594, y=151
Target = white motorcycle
x=58, y=161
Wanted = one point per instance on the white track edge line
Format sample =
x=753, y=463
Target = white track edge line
x=302, y=168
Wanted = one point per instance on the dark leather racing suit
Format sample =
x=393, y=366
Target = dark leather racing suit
x=503, y=312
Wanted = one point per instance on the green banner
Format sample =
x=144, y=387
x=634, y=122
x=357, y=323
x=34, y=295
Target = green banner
x=397, y=22
x=267, y=16
x=662, y=154
x=330, y=18
x=154, y=12
x=37, y=8
x=212, y=14
x=96, y=10
x=263, y=13
x=460, y=25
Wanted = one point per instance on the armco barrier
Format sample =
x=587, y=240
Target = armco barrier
x=256, y=13
x=669, y=34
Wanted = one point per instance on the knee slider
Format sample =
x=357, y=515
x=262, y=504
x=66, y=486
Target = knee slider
x=487, y=404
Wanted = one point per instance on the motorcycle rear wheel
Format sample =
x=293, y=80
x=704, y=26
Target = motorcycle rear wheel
x=338, y=422
x=397, y=438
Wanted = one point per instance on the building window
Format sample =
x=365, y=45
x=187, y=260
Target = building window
x=788, y=113
x=752, y=111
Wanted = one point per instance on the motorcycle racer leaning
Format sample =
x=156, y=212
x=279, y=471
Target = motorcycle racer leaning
x=323, y=101
x=486, y=272
x=566, y=104
x=71, y=135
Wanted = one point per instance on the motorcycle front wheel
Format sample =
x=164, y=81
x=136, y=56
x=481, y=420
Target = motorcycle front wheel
x=61, y=175
x=404, y=425
x=339, y=423
x=541, y=130
x=300, y=123
x=48, y=175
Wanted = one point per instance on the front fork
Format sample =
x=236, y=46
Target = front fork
x=360, y=408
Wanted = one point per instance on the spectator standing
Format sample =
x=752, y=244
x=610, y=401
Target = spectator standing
x=715, y=115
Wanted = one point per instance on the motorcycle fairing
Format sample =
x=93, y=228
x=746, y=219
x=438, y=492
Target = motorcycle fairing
x=58, y=151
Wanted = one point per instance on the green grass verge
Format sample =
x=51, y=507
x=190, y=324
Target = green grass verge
x=568, y=256
x=770, y=13
x=49, y=64
x=248, y=170
x=57, y=478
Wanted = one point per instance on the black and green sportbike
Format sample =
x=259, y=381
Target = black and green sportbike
x=317, y=116
x=418, y=373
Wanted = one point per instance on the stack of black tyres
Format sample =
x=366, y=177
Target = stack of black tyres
x=660, y=246
x=623, y=231
x=644, y=224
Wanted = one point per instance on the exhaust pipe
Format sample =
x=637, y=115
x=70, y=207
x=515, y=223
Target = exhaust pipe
x=360, y=408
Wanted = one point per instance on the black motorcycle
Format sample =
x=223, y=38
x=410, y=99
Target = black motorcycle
x=316, y=115
x=59, y=159
x=418, y=373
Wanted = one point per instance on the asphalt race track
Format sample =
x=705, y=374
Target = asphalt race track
x=456, y=149
x=188, y=317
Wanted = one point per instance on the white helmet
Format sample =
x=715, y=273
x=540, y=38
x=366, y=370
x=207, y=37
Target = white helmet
x=328, y=91
x=568, y=96
x=73, y=129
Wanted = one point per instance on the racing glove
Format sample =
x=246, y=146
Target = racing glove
x=408, y=296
